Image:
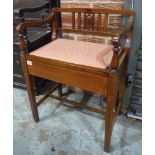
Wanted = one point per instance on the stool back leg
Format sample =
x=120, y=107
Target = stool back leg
x=60, y=90
x=123, y=77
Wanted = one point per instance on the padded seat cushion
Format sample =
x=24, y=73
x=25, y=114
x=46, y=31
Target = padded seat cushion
x=77, y=52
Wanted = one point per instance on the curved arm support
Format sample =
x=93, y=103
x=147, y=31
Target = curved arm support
x=127, y=28
x=20, y=12
x=22, y=26
x=117, y=49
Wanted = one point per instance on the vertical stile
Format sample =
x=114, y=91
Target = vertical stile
x=99, y=22
x=84, y=20
x=79, y=20
x=73, y=20
x=105, y=28
x=93, y=22
x=55, y=24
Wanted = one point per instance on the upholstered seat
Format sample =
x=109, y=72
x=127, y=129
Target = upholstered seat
x=77, y=52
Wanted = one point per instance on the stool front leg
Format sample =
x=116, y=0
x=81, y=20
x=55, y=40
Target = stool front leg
x=110, y=106
x=30, y=88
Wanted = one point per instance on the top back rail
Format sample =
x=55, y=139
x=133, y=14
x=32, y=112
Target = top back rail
x=88, y=26
x=94, y=10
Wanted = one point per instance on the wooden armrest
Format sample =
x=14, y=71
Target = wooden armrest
x=22, y=26
x=117, y=49
x=127, y=28
x=123, y=31
x=21, y=11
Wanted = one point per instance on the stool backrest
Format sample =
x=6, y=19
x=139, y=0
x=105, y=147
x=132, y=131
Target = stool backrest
x=92, y=21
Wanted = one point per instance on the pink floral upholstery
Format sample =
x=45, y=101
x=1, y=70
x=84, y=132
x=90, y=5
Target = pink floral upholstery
x=77, y=52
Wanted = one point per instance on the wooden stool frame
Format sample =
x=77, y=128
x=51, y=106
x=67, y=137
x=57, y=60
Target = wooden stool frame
x=109, y=83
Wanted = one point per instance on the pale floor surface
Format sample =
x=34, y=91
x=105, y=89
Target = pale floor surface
x=64, y=130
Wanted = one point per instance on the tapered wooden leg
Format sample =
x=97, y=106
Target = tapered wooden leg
x=60, y=90
x=30, y=88
x=110, y=106
x=121, y=93
x=122, y=79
